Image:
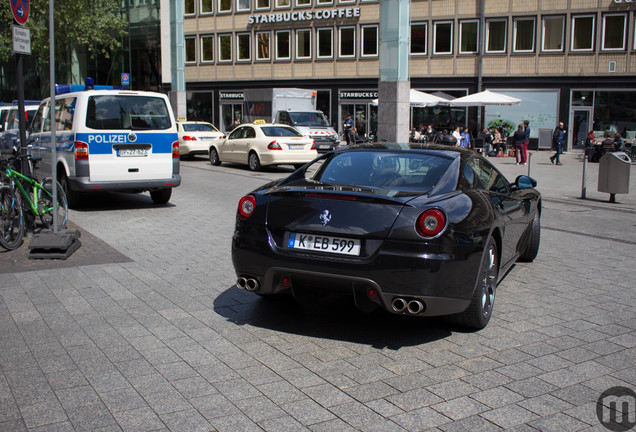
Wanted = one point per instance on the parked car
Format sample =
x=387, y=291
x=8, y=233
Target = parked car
x=259, y=144
x=416, y=232
x=10, y=130
x=195, y=137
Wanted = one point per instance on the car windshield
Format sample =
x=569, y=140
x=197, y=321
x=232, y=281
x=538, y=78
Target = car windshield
x=280, y=131
x=309, y=118
x=199, y=127
x=127, y=112
x=409, y=171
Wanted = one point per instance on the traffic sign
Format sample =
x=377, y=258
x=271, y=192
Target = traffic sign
x=20, y=11
x=125, y=79
x=21, y=40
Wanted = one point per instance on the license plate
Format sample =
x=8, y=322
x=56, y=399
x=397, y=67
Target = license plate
x=132, y=152
x=334, y=245
x=324, y=146
x=296, y=146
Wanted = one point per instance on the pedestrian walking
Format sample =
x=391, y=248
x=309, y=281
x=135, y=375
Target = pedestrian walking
x=526, y=141
x=517, y=140
x=558, y=141
x=348, y=127
x=465, y=141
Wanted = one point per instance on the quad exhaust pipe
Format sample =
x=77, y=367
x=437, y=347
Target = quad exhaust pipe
x=247, y=283
x=412, y=307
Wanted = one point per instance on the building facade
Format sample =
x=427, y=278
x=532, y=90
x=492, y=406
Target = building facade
x=568, y=60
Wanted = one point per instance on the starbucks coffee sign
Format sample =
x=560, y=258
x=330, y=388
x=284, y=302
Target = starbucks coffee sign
x=298, y=16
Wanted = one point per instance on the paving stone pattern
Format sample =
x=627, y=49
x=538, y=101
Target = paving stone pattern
x=163, y=340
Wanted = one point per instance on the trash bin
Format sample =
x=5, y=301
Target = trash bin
x=613, y=174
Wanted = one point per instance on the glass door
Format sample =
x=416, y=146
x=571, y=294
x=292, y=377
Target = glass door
x=229, y=113
x=581, y=122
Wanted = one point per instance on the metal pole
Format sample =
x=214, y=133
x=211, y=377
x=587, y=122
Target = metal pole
x=529, y=163
x=584, y=180
x=52, y=112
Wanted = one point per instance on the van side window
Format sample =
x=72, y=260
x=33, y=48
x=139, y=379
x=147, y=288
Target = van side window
x=64, y=111
x=36, y=126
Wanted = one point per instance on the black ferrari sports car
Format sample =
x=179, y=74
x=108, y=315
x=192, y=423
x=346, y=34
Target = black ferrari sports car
x=423, y=232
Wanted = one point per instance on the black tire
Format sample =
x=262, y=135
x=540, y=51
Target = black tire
x=478, y=313
x=214, y=157
x=161, y=196
x=532, y=240
x=11, y=219
x=253, y=162
x=72, y=197
x=45, y=205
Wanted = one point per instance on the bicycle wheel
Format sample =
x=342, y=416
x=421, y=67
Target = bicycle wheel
x=11, y=222
x=45, y=205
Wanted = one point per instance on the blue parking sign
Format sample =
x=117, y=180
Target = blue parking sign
x=125, y=79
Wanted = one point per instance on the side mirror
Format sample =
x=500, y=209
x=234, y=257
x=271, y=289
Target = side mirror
x=525, y=182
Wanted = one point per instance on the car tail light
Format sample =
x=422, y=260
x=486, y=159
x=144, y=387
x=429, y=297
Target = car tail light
x=175, y=150
x=81, y=150
x=246, y=205
x=189, y=138
x=431, y=223
x=313, y=145
x=274, y=146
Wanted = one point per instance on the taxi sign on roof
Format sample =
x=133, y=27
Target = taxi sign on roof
x=260, y=121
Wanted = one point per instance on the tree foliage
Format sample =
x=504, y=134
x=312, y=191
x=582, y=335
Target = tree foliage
x=95, y=26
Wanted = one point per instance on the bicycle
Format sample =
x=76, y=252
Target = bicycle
x=21, y=192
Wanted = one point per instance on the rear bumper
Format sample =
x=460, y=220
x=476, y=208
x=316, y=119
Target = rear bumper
x=287, y=157
x=83, y=184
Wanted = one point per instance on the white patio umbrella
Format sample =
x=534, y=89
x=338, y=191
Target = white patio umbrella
x=421, y=99
x=484, y=98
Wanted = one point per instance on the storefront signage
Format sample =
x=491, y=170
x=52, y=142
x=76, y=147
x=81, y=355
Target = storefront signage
x=304, y=15
x=231, y=95
x=358, y=94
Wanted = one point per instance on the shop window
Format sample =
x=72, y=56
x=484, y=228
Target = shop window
x=243, y=5
x=262, y=4
x=207, y=48
x=347, y=37
x=369, y=41
x=553, y=27
x=418, y=38
x=225, y=48
x=496, y=36
x=190, y=50
x=225, y=6
x=583, y=33
x=524, y=35
x=262, y=46
x=324, y=38
x=468, y=37
x=282, y=3
x=303, y=44
x=199, y=106
x=243, y=46
x=206, y=6
x=443, y=37
x=283, y=45
x=188, y=7
x=614, y=31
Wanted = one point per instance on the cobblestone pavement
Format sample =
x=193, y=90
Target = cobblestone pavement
x=156, y=336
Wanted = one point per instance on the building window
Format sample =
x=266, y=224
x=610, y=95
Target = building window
x=282, y=45
x=324, y=2
x=188, y=7
x=443, y=37
x=347, y=37
x=243, y=46
x=225, y=6
x=553, y=33
x=207, y=48
x=262, y=4
x=190, y=50
x=496, y=36
x=225, y=48
x=583, y=33
x=369, y=41
x=243, y=5
x=324, y=38
x=206, y=6
x=524, y=35
x=262, y=46
x=282, y=3
x=303, y=44
x=614, y=31
x=468, y=37
x=302, y=3
x=418, y=39
x=346, y=1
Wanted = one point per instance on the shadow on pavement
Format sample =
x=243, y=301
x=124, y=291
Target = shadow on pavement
x=104, y=201
x=332, y=317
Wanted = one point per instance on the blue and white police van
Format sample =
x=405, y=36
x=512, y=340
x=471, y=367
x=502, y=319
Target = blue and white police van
x=108, y=140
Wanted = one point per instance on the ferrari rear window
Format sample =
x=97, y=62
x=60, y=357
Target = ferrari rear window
x=402, y=171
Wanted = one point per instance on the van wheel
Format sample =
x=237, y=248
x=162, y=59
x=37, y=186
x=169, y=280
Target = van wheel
x=161, y=196
x=72, y=197
x=214, y=157
x=253, y=162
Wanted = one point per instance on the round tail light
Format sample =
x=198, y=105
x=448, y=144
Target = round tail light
x=431, y=223
x=246, y=206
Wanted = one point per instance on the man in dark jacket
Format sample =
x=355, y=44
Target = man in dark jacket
x=558, y=141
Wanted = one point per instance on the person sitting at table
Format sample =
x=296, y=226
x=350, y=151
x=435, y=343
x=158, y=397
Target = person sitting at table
x=498, y=141
x=619, y=144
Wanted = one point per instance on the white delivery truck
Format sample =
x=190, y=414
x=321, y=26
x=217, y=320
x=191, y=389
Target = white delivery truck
x=291, y=106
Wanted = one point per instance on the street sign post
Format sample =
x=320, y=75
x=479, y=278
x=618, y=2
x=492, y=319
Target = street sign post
x=21, y=40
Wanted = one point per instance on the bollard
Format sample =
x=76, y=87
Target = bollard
x=584, y=180
x=529, y=163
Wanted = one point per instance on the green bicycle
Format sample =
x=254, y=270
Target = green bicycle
x=20, y=193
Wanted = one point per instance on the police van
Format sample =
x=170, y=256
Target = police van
x=108, y=140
